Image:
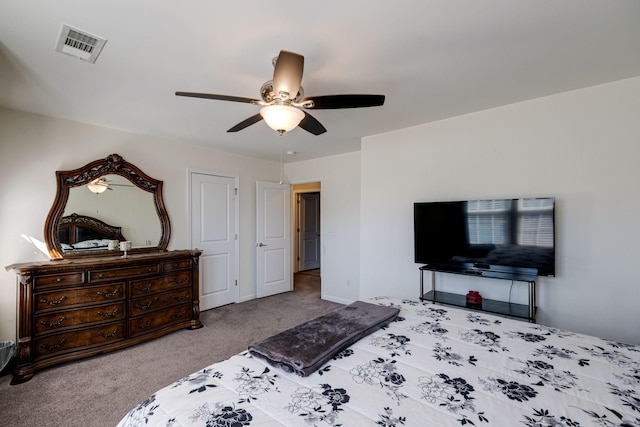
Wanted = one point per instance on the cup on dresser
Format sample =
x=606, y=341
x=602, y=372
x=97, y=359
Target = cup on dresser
x=125, y=246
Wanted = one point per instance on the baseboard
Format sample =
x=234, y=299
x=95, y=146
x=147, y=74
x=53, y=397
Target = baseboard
x=336, y=299
x=247, y=298
x=323, y=296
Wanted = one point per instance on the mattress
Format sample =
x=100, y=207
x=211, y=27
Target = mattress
x=431, y=366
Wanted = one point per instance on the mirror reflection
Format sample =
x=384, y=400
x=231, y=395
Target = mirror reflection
x=114, y=200
x=102, y=203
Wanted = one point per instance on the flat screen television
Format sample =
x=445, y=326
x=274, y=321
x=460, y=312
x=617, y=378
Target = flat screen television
x=516, y=233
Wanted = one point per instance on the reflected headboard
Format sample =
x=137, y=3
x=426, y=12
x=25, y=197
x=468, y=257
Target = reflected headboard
x=78, y=228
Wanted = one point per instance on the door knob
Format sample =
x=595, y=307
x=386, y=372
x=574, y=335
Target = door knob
x=260, y=245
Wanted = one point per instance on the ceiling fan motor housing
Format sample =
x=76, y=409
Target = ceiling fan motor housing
x=268, y=96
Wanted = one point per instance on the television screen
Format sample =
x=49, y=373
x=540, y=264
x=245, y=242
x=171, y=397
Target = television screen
x=500, y=232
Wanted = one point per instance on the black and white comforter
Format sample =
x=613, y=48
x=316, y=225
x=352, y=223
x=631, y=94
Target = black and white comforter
x=432, y=366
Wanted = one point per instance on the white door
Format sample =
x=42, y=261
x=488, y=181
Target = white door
x=273, y=242
x=213, y=230
x=309, y=231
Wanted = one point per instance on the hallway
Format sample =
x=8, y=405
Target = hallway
x=307, y=282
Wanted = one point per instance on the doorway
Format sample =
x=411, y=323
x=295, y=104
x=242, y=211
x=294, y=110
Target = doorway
x=307, y=234
x=308, y=231
x=307, y=284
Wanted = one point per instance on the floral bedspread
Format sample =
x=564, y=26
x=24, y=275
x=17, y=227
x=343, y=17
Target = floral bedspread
x=432, y=366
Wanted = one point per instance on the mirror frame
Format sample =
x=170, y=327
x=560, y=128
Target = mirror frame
x=112, y=164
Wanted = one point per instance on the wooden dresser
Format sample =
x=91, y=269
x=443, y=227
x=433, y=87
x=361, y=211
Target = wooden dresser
x=76, y=308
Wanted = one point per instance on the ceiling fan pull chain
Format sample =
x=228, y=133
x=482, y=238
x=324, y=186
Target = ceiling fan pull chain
x=281, y=164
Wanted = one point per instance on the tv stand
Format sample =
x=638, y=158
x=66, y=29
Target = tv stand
x=521, y=311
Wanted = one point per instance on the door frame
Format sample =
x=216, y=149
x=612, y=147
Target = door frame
x=236, y=180
x=294, y=223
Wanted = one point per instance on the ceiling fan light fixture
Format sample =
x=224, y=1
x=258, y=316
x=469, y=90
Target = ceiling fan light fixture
x=98, y=186
x=281, y=118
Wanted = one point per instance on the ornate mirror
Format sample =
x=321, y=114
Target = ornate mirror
x=102, y=203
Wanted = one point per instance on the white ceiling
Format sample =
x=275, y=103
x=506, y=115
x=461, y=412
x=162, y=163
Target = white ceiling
x=432, y=59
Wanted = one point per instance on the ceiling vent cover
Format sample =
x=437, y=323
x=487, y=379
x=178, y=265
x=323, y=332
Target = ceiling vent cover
x=79, y=43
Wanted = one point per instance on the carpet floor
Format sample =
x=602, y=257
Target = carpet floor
x=99, y=391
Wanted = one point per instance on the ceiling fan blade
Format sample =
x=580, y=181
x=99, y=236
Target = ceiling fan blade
x=310, y=124
x=329, y=102
x=246, y=123
x=287, y=75
x=218, y=97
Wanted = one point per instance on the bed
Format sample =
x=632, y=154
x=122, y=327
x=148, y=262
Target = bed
x=431, y=366
x=81, y=233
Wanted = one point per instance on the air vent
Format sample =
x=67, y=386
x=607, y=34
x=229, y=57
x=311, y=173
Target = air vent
x=79, y=43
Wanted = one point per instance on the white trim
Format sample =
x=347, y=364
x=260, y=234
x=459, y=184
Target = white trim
x=335, y=299
x=247, y=298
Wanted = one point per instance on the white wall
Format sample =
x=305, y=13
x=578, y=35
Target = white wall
x=33, y=147
x=339, y=220
x=582, y=147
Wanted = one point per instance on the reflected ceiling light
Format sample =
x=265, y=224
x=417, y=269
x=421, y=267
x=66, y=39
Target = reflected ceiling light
x=281, y=118
x=98, y=186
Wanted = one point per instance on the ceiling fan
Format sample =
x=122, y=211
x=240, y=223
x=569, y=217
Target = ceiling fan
x=100, y=185
x=283, y=101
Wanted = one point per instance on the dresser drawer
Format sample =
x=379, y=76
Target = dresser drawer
x=51, y=322
x=153, y=321
x=64, y=298
x=123, y=273
x=176, y=265
x=78, y=338
x=157, y=284
x=144, y=305
x=76, y=278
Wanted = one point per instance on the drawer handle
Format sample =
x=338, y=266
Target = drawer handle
x=101, y=276
x=150, y=269
x=109, y=315
x=53, y=324
x=144, y=307
x=53, y=346
x=180, y=280
x=180, y=297
x=111, y=335
x=59, y=279
x=144, y=326
x=143, y=288
x=108, y=294
x=54, y=302
x=180, y=315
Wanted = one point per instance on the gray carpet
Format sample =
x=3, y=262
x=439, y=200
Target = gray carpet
x=101, y=390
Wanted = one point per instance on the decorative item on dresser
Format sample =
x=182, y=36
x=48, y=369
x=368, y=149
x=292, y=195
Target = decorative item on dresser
x=89, y=299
